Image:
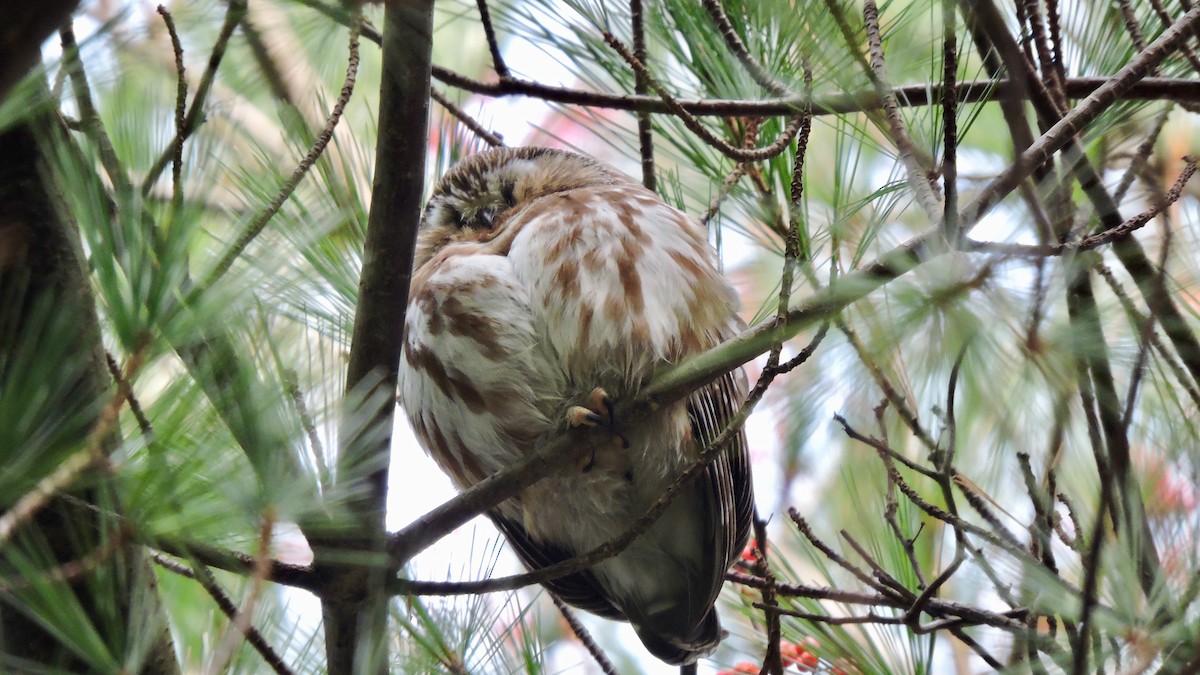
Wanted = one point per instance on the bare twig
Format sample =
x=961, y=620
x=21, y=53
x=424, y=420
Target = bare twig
x=945, y=480
x=89, y=116
x=292, y=384
x=1099, y=239
x=180, y=111
x=585, y=638
x=694, y=125
x=489, y=32
x=835, y=557
x=239, y=626
x=1142, y=155
x=1138, y=319
x=209, y=583
x=949, y=125
x=918, y=174
x=906, y=542
x=641, y=86
x=259, y=222
x=883, y=448
x=727, y=184
x=233, y=17
x=125, y=388
x=979, y=649
x=772, y=658
x=492, y=138
x=735, y=44
x=1091, y=576
x=917, y=95
x=1041, y=45
x=894, y=397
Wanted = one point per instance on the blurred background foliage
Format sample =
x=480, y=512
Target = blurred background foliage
x=285, y=307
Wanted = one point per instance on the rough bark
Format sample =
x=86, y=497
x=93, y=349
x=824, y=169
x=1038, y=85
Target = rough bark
x=351, y=558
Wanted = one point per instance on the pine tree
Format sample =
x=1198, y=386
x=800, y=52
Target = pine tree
x=963, y=233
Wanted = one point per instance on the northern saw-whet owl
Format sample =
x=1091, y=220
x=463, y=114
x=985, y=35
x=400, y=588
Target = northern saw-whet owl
x=545, y=286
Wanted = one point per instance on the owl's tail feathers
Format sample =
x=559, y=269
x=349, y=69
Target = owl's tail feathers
x=664, y=641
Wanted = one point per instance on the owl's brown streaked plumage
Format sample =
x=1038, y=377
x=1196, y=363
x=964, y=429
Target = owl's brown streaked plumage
x=541, y=275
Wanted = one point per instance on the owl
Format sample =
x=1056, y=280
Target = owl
x=546, y=286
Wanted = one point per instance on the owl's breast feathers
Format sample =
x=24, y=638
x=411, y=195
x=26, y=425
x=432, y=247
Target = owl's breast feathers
x=622, y=280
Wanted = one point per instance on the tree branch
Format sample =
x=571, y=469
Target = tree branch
x=348, y=553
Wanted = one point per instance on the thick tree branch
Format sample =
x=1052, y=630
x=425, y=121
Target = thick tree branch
x=26, y=27
x=349, y=553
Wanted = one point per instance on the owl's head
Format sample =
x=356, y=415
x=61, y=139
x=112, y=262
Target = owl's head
x=473, y=198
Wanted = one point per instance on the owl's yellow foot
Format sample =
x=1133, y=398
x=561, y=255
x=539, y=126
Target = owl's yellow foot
x=599, y=412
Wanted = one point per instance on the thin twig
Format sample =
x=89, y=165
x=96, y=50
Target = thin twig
x=89, y=116
x=694, y=125
x=489, y=32
x=816, y=592
x=735, y=44
x=723, y=191
x=291, y=383
x=913, y=95
x=233, y=16
x=1041, y=45
x=918, y=175
x=877, y=569
x=180, y=111
x=1091, y=576
x=1099, y=239
x=897, y=400
x=918, y=95
x=882, y=447
x=892, y=506
x=259, y=222
x=772, y=658
x=1142, y=155
x=1138, y=319
x=585, y=638
x=641, y=86
x=945, y=476
x=949, y=125
x=834, y=556
x=209, y=583
x=240, y=626
x=492, y=138
x=125, y=388
x=983, y=653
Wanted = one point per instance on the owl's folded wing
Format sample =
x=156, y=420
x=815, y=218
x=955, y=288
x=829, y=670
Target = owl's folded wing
x=710, y=409
x=578, y=590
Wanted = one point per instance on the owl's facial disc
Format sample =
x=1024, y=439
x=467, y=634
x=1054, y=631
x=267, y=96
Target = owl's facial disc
x=473, y=198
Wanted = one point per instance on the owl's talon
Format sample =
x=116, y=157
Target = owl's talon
x=598, y=411
x=601, y=403
x=579, y=416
